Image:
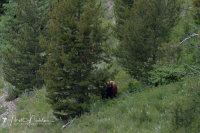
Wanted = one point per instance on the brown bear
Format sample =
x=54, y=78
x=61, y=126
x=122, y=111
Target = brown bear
x=111, y=89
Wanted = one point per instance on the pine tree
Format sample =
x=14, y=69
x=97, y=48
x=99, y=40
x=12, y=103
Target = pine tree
x=74, y=49
x=122, y=14
x=147, y=26
x=196, y=5
x=1, y=6
x=6, y=24
x=22, y=60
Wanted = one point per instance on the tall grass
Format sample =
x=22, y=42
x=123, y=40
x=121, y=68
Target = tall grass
x=166, y=109
x=152, y=111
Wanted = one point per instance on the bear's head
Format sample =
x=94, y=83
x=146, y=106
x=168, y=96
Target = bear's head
x=108, y=84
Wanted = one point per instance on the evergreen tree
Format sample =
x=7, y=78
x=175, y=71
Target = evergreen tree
x=121, y=10
x=74, y=51
x=6, y=24
x=22, y=60
x=196, y=5
x=1, y=6
x=147, y=26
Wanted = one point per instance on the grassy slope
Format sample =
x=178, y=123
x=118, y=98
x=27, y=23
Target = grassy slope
x=146, y=112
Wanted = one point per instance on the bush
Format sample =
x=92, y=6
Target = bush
x=122, y=80
x=1, y=83
x=12, y=92
x=165, y=74
x=136, y=86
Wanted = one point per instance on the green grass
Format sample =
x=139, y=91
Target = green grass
x=151, y=111
x=147, y=112
x=1, y=86
x=1, y=92
x=2, y=109
x=1, y=83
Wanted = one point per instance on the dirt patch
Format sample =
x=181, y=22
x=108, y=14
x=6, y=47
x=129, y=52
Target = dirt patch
x=11, y=107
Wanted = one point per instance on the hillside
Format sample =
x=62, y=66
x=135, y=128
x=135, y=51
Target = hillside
x=151, y=111
x=62, y=62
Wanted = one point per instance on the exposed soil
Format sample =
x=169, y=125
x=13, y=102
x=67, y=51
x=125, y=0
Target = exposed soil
x=11, y=107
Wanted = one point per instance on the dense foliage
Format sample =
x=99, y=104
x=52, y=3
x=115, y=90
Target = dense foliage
x=165, y=74
x=74, y=49
x=147, y=26
x=23, y=59
x=196, y=10
x=6, y=24
x=1, y=6
x=122, y=14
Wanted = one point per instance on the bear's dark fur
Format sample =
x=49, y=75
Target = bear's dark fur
x=111, y=90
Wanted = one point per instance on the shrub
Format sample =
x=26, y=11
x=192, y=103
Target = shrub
x=165, y=74
x=12, y=92
x=1, y=83
x=122, y=79
x=136, y=86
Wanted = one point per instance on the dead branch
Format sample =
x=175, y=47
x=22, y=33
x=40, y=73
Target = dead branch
x=189, y=37
x=193, y=69
x=69, y=123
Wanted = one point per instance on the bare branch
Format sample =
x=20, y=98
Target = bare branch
x=196, y=67
x=189, y=37
x=193, y=69
x=69, y=123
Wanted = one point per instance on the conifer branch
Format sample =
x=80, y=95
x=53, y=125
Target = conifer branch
x=192, y=25
x=190, y=10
